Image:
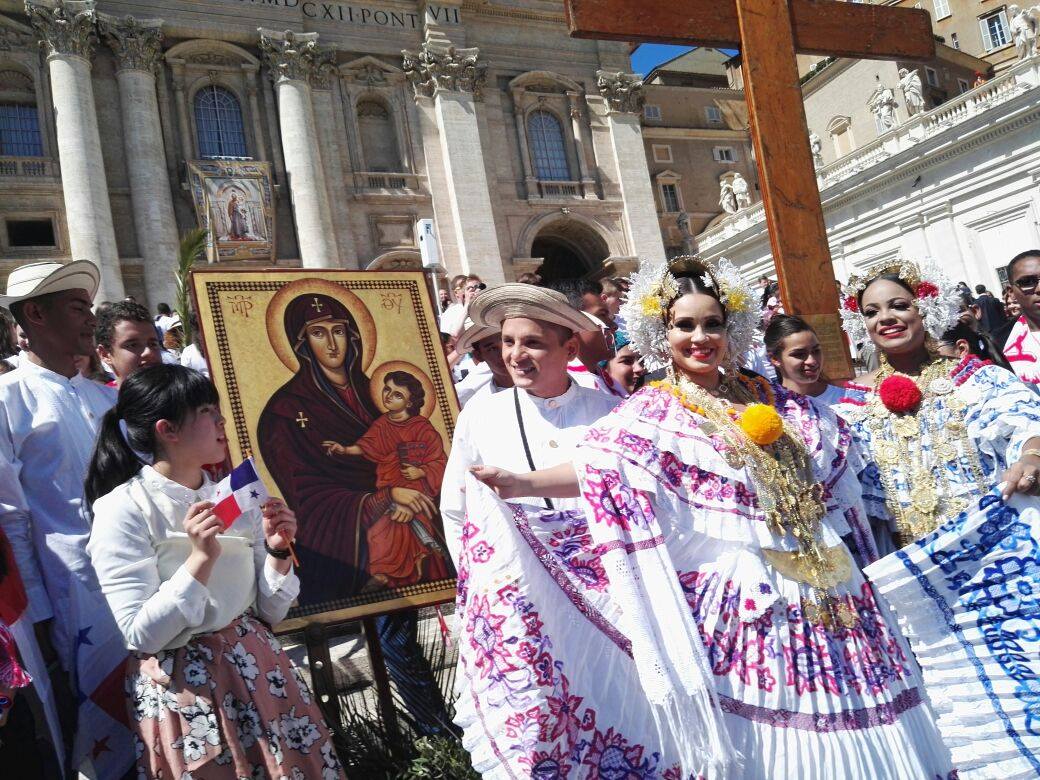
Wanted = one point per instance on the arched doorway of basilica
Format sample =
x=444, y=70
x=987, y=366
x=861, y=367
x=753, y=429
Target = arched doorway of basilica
x=569, y=249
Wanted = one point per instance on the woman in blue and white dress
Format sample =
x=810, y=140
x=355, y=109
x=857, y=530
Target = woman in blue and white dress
x=947, y=443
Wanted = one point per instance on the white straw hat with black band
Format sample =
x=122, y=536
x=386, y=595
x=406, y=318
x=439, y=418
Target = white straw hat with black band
x=36, y=279
x=508, y=301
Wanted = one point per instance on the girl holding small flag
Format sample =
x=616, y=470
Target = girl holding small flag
x=194, y=584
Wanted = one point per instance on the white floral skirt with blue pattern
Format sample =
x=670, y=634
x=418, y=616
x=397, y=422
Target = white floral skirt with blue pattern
x=229, y=704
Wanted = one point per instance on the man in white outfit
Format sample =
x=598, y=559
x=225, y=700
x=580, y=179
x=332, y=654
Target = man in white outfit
x=542, y=419
x=49, y=419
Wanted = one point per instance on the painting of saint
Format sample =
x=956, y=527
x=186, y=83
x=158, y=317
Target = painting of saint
x=356, y=459
x=234, y=201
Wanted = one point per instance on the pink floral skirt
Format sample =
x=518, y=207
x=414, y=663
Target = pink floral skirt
x=228, y=704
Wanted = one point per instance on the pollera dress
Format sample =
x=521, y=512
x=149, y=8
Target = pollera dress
x=962, y=569
x=570, y=632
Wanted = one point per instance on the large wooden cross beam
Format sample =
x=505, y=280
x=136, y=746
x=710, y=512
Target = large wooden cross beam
x=769, y=33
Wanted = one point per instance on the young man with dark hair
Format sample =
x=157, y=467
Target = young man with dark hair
x=127, y=339
x=51, y=416
x=1021, y=337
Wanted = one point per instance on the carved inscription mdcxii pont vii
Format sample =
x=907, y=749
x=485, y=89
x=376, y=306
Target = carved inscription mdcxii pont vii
x=364, y=15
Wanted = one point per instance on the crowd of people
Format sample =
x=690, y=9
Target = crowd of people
x=659, y=505
x=675, y=587
x=135, y=634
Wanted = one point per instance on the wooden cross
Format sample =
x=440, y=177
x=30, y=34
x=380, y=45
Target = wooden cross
x=769, y=33
x=301, y=420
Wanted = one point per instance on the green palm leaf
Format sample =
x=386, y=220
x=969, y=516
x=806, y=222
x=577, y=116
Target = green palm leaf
x=192, y=246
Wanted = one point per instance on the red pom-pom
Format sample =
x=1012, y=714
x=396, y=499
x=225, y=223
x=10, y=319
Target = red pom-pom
x=927, y=290
x=849, y=304
x=900, y=394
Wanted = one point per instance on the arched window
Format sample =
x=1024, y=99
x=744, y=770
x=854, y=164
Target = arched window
x=19, y=120
x=548, y=153
x=840, y=128
x=378, y=137
x=218, y=122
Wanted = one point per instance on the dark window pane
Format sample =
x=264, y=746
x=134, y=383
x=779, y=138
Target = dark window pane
x=218, y=122
x=19, y=131
x=30, y=232
x=547, y=147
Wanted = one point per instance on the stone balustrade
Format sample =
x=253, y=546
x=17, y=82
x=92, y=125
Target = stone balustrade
x=1013, y=82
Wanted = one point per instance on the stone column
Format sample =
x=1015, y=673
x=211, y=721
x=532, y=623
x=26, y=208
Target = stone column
x=138, y=49
x=452, y=78
x=623, y=93
x=530, y=181
x=330, y=140
x=290, y=58
x=574, y=105
x=66, y=30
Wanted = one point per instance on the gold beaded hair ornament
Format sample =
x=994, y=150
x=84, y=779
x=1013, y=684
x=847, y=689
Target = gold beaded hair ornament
x=652, y=290
x=935, y=296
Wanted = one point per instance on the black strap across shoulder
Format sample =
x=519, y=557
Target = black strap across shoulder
x=523, y=438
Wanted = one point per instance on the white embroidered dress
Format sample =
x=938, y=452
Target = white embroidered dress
x=584, y=635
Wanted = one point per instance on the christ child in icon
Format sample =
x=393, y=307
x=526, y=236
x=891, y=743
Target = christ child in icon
x=408, y=453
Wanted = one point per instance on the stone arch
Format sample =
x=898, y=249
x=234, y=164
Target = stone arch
x=535, y=77
x=201, y=51
x=397, y=260
x=570, y=245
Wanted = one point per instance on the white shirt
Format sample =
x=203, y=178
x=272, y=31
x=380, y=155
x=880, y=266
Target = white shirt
x=167, y=321
x=192, y=357
x=472, y=382
x=48, y=426
x=1023, y=351
x=488, y=389
x=138, y=547
x=487, y=433
x=452, y=319
x=586, y=378
x=829, y=398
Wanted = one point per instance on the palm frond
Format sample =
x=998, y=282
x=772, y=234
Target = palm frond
x=192, y=245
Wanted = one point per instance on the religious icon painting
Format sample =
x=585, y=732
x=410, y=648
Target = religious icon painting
x=233, y=202
x=337, y=384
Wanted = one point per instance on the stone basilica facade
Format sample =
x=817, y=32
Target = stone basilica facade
x=523, y=145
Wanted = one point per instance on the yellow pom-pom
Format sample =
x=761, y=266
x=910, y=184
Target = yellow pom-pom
x=736, y=302
x=651, y=306
x=762, y=424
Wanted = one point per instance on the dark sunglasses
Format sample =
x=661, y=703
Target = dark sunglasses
x=1027, y=284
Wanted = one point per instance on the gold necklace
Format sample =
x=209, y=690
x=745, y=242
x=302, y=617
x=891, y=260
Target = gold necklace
x=898, y=448
x=788, y=494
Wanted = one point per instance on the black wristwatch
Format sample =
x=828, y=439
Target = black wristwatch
x=279, y=554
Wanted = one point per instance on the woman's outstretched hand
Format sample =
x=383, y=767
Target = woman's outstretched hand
x=505, y=483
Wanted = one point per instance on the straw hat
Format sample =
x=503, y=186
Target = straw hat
x=508, y=301
x=472, y=334
x=36, y=279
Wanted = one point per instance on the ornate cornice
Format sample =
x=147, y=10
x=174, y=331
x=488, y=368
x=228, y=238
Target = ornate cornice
x=443, y=66
x=623, y=92
x=137, y=43
x=64, y=26
x=289, y=56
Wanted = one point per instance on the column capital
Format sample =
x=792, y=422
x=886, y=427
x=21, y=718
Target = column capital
x=439, y=65
x=137, y=43
x=324, y=69
x=289, y=56
x=623, y=92
x=64, y=26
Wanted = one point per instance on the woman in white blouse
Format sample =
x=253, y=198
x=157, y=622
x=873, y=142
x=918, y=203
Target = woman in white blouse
x=795, y=353
x=210, y=690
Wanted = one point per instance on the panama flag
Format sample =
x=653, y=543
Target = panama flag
x=238, y=492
